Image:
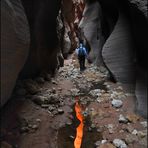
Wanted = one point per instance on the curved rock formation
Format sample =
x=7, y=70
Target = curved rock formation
x=118, y=51
x=15, y=39
x=91, y=27
x=42, y=17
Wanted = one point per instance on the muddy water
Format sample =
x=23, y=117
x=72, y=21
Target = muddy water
x=67, y=134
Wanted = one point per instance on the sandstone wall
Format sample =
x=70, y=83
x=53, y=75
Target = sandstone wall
x=15, y=39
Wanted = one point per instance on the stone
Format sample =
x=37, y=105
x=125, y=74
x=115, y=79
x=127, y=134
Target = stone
x=74, y=92
x=131, y=138
x=24, y=129
x=119, y=143
x=51, y=108
x=122, y=119
x=39, y=100
x=103, y=141
x=31, y=86
x=132, y=118
x=38, y=120
x=97, y=143
x=106, y=145
x=117, y=103
x=44, y=105
x=144, y=124
x=134, y=132
x=142, y=134
x=95, y=93
x=35, y=127
x=60, y=111
x=53, y=90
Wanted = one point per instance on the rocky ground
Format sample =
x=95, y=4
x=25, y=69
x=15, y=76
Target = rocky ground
x=40, y=107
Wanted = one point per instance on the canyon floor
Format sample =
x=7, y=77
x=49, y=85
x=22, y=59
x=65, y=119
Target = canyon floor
x=41, y=112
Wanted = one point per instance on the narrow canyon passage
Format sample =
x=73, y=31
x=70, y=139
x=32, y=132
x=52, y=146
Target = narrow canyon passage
x=45, y=117
x=51, y=97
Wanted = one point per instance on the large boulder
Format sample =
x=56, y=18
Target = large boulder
x=15, y=39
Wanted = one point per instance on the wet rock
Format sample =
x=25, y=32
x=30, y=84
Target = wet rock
x=117, y=103
x=60, y=111
x=132, y=118
x=119, y=143
x=5, y=145
x=131, y=138
x=21, y=91
x=122, y=119
x=144, y=124
x=106, y=145
x=40, y=80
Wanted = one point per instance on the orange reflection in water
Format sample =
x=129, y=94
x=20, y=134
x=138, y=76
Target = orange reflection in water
x=79, y=134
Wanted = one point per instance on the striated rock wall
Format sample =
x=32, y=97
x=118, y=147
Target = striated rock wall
x=42, y=17
x=15, y=40
x=72, y=13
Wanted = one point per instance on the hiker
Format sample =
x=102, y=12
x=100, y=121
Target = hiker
x=82, y=54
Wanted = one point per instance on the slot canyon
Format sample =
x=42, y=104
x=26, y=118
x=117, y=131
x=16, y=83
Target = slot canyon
x=47, y=101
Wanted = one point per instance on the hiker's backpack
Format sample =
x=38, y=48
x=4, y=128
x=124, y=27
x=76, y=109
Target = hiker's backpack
x=81, y=52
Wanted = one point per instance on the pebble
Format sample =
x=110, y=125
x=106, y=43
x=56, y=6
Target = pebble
x=103, y=141
x=119, y=143
x=60, y=111
x=117, y=103
x=34, y=126
x=131, y=138
x=122, y=119
x=44, y=105
x=24, y=129
x=135, y=132
x=97, y=143
x=132, y=118
x=144, y=124
x=106, y=145
x=39, y=100
x=38, y=120
x=142, y=134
